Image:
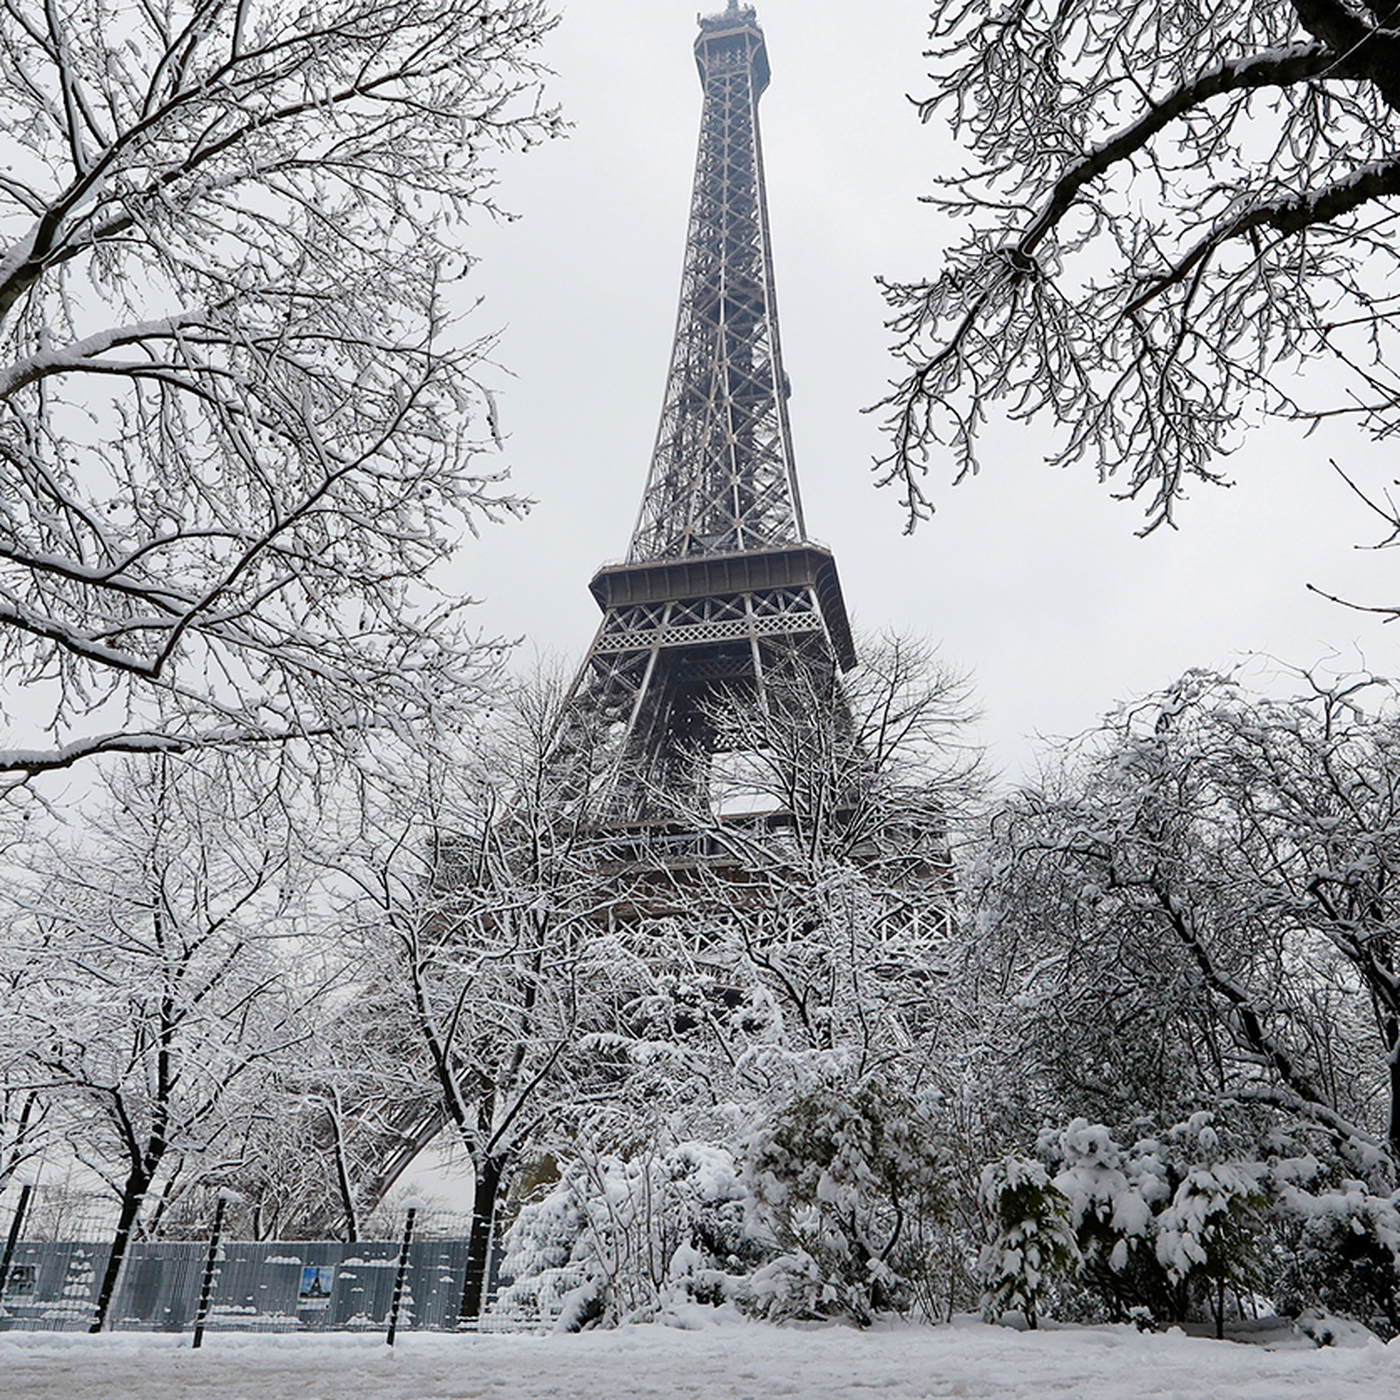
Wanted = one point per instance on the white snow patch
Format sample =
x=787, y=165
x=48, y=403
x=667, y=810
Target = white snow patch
x=707, y=1355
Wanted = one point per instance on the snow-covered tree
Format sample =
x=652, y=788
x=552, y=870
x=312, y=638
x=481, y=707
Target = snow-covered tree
x=822, y=915
x=237, y=430
x=493, y=983
x=1200, y=905
x=1033, y=1244
x=1167, y=209
x=154, y=1000
x=804, y=953
x=311, y=1148
x=25, y=1113
x=528, y=975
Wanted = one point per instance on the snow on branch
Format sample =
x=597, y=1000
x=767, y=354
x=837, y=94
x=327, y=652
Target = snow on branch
x=1162, y=210
x=239, y=431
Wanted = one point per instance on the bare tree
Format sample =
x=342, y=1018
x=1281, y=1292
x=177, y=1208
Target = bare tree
x=1170, y=208
x=1205, y=908
x=819, y=912
x=306, y=1154
x=153, y=997
x=237, y=430
x=26, y=1118
x=493, y=982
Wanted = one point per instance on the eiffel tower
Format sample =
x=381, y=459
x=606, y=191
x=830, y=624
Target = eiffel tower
x=722, y=592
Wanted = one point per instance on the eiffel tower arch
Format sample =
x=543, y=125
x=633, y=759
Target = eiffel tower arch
x=722, y=592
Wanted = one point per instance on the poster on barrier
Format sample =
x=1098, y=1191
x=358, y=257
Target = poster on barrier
x=317, y=1280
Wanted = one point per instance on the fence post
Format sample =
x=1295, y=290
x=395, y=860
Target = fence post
x=413, y=1209
x=16, y=1225
x=207, y=1287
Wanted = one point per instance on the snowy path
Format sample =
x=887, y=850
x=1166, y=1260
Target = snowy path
x=731, y=1361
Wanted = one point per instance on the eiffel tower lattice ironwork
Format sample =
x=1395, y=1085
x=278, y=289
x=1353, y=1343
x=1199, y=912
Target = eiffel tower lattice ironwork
x=721, y=589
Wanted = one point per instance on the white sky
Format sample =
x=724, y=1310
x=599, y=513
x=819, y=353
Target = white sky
x=1031, y=579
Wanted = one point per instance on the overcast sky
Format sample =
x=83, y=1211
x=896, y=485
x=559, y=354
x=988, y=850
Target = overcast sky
x=1029, y=578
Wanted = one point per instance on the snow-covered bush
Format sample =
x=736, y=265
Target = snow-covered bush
x=620, y=1239
x=1210, y=1237
x=1162, y=1230
x=1170, y=1224
x=1113, y=1196
x=1342, y=1251
x=1185, y=1222
x=1034, y=1242
x=849, y=1183
x=539, y=1250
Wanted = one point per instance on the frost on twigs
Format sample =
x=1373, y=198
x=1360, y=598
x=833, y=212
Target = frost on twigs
x=1166, y=210
x=238, y=430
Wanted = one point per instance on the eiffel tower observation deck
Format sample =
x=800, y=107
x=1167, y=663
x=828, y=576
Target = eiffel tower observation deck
x=722, y=592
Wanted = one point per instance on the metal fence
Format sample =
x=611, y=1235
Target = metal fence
x=51, y=1282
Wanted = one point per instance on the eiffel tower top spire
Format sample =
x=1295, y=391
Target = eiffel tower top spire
x=722, y=479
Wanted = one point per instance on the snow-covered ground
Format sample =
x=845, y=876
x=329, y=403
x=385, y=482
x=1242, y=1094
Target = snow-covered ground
x=728, y=1360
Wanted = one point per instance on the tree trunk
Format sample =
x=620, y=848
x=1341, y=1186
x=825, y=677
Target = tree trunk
x=344, y=1186
x=1392, y=1035
x=489, y=1175
x=132, y=1197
